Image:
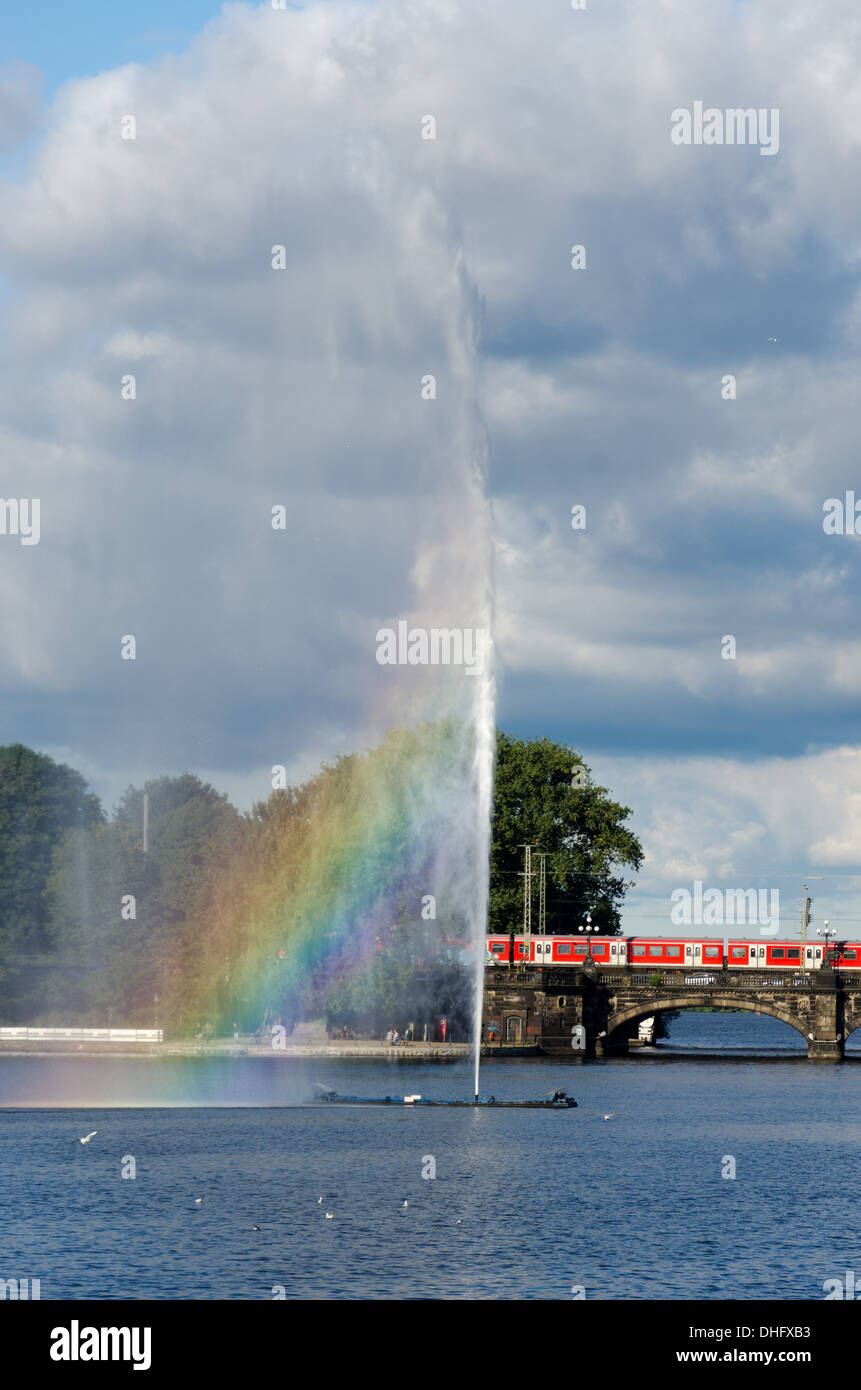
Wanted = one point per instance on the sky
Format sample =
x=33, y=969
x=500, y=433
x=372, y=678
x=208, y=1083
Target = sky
x=603, y=387
x=65, y=41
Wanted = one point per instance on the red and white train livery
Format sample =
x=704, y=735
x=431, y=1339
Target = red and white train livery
x=668, y=953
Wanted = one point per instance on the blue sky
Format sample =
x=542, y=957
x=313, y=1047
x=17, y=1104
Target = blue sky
x=84, y=39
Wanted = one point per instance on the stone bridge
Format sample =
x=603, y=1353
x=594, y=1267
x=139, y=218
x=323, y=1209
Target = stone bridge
x=591, y=1012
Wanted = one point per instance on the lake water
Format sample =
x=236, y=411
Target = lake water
x=524, y=1204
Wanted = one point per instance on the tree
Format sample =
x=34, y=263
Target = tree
x=163, y=948
x=40, y=801
x=579, y=827
x=312, y=903
x=103, y=954
x=165, y=794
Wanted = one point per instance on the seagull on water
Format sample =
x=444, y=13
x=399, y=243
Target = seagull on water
x=87, y=1137
x=774, y=340
x=255, y=1228
x=612, y=1115
x=319, y=1201
x=330, y=1216
x=198, y=1201
x=404, y=1204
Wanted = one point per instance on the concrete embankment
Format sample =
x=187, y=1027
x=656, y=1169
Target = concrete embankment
x=364, y=1051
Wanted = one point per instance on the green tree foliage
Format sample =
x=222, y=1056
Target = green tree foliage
x=344, y=859
x=102, y=957
x=40, y=801
x=165, y=794
x=309, y=906
x=125, y=961
x=579, y=827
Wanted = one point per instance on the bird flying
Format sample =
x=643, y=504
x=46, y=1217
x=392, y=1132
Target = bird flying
x=87, y=1137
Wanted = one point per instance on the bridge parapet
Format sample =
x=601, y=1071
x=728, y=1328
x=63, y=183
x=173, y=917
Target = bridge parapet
x=685, y=980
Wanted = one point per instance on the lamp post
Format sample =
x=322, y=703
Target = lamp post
x=588, y=928
x=828, y=933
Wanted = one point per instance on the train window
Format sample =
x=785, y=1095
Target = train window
x=849, y=955
x=777, y=953
x=563, y=950
x=497, y=949
x=712, y=952
x=674, y=951
x=738, y=952
x=638, y=950
x=793, y=954
x=656, y=951
x=579, y=948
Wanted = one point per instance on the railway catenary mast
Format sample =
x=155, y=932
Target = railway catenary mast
x=805, y=919
x=527, y=906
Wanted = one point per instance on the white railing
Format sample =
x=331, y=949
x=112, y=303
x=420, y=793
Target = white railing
x=84, y=1034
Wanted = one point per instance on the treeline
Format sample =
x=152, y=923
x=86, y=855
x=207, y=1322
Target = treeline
x=318, y=902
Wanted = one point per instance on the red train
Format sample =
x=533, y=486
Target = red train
x=667, y=953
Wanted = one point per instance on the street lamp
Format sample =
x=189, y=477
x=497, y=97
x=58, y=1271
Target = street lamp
x=825, y=931
x=589, y=928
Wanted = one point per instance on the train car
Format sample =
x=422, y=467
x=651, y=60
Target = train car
x=559, y=950
x=791, y=955
x=772, y=955
x=573, y=950
x=846, y=955
x=612, y=952
x=497, y=950
x=668, y=953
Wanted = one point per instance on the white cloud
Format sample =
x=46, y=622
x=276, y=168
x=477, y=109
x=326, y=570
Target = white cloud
x=745, y=823
x=601, y=387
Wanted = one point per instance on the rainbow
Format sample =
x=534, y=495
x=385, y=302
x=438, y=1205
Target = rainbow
x=321, y=875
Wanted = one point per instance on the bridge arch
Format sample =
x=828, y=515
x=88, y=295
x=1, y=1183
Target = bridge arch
x=851, y=1021
x=716, y=1000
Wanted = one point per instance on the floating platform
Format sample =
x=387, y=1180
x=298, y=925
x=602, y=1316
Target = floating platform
x=555, y=1100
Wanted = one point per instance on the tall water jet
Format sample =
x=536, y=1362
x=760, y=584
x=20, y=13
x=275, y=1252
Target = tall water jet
x=485, y=738
x=478, y=579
